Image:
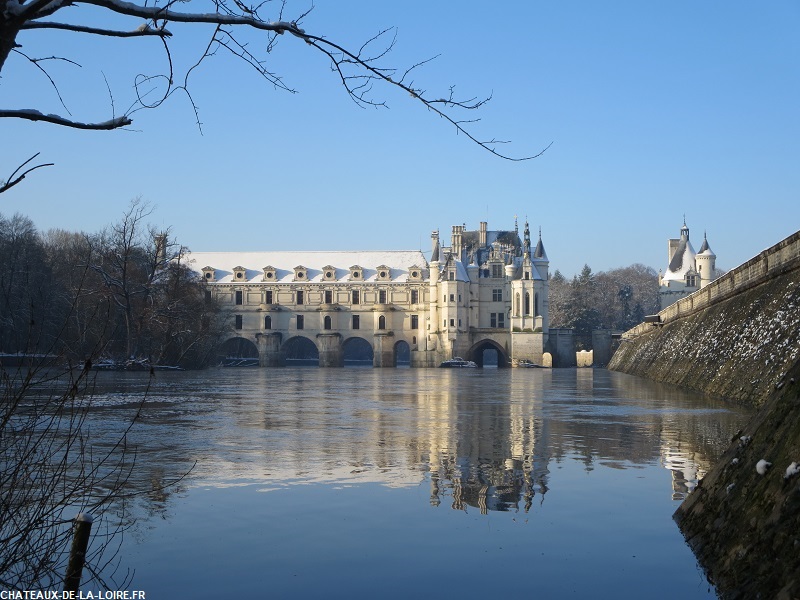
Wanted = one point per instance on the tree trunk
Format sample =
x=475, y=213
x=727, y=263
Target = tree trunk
x=9, y=28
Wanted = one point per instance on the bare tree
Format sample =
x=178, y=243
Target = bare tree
x=241, y=29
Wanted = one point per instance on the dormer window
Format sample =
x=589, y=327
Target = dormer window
x=356, y=273
x=383, y=273
x=329, y=273
x=415, y=273
x=239, y=274
x=300, y=273
x=270, y=273
x=209, y=274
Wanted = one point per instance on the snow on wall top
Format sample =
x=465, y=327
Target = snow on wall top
x=400, y=263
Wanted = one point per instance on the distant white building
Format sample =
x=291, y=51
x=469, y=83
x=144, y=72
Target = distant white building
x=487, y=290
x=687, y=271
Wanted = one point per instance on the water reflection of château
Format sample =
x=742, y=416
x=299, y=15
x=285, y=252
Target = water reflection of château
x=488, y=440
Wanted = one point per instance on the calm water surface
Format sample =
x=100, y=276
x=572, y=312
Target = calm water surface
x=398, y=483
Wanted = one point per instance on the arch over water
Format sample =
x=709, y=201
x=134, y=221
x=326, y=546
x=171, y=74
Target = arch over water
x=237, y=352
x=489, y=353
x=402, y=354
x=357, y=352
x=300, y=351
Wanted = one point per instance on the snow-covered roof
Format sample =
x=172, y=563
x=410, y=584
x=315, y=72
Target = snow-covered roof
x=400, y=263
x=682, y=261
x=705, y=249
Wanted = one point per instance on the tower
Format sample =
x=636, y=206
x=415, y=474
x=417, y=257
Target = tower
x=706, y=263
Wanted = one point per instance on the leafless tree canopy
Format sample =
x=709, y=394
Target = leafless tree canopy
x=248, y=32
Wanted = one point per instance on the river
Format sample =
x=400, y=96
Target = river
x=397, y=483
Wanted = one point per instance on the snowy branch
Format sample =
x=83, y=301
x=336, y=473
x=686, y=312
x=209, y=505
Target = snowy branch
x=35, y=115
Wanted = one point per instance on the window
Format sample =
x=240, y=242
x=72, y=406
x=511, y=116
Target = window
x=497, y=295
x=501, y=320
x=238, y=296
x=269, y=297
x=300, y=321
x=497, y=271
x=452, y=297
x=452, y=276
x=208, y=295
x=299, y=297
x=355, y=299
x=413, y=339
x=326, y=322
x=527, y=275
x=452, y=322
x=516, y=305
x=459, y=322
x=356, y=321
x=691, y=280
x=381, y=296
x=414, y=321
x=536, y=304
x=493, y=320
x=381, y=322
x=268, y=322
x=444, y=298
x=238, y=321
x=459, y=297
x=527, y=303
x=414, y=297
x=328, y=297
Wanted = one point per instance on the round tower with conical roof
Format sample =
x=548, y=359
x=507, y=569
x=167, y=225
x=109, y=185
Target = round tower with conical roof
x=706, y=263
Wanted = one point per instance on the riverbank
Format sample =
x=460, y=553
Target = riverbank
x=743, y=521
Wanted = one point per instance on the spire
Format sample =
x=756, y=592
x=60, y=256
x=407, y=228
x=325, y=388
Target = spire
x=526, y=246
x=539, y=251
x=705, y=248
x=435, y=252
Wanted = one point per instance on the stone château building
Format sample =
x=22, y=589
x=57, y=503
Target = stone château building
x=688, y=271
x=487, y=290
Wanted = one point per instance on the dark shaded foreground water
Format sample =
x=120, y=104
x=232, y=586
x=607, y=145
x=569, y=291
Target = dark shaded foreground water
x=399, y=483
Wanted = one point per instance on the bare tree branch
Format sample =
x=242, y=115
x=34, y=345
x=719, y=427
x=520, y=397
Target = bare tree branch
x=142, y=31
x=35, y=115
x=16, y=176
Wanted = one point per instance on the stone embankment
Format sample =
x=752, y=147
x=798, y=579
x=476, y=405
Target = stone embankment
x=739, y=338
x=735, y=338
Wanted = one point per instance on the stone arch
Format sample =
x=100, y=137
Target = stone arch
x=402, y=354
x=357, y=352
x=237, y=352
x=300, y=351
x=476, y=353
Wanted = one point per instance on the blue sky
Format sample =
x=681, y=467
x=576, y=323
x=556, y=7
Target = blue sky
x=655, y=110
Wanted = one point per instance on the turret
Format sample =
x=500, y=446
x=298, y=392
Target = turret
x=706, y=262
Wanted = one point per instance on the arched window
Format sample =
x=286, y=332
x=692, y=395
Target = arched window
x=536, y=304
x=527, y=303
x=516, y=305
x=381, y=322
x=326, y=322
x=268, y=322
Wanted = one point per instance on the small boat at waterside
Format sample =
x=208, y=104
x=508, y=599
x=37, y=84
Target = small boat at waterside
x=458, y=363
x=527, y=364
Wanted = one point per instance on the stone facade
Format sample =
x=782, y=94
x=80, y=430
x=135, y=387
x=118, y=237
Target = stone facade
x=487, y=290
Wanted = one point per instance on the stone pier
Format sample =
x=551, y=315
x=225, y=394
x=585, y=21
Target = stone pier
x=269, y=349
